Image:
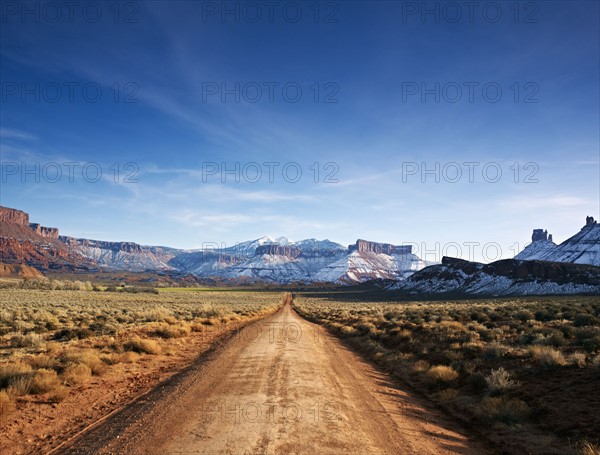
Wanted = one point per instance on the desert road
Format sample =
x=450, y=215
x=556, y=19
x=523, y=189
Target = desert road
x=281, y=385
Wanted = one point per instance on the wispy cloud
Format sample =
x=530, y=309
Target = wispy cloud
x=10, y=133
x=523, y=202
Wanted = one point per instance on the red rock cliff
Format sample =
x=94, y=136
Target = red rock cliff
x=14, y=216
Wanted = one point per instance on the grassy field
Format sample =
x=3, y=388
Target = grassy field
x=524, y=372
x=54, y=340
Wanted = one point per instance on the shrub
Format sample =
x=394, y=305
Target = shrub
x=592, y=344
x=77, y=374
x=582, y=320
x=88, y=357
x=76, y=333
x=158, y=314
x=142, y=346
x=448, y=394
x=577, y=359
x=44, y=381
x=92, y=360
x=509, y=411
x=31, y=340
x=524, y=315
x=164, y=330
x=420, y=366
x=587, y=448
x=13, y=372
x=42, y=361
x=441, y=374
x=347, y=330
x=20, y=385
x=547, y=356
x=499, y=380
x=367, y=328
x=495, y=351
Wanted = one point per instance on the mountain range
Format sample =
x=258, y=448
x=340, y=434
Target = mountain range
x=280, y=260
x=268, y=259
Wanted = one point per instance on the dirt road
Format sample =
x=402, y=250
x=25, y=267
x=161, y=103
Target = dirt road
x=279, y=386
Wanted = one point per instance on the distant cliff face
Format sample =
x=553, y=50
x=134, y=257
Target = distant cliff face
x=14, y=216
x=33, y=244
x=278, y=250
x=121, y=255
x=44, y=231
x=127, y=247
x=364, y=246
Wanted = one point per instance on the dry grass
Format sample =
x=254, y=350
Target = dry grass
x=420, y=366
x=587, y=448
x=547, y=356
x=578, y=359
x=55, y=332
x=508, y=411
x=467, y=355
x=44, y=381
x=77, y=373
x=441, y=374
x=143, y=346
x=87, y=357
x=16, y=378
x=165, y=330
x=500, y=380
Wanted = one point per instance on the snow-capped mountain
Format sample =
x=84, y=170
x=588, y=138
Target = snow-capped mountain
x=456, y=277
x=282, y=260
x=582, y=248
x=206, y=263
x=122, y=255
x=369, y=260
x=247, y=248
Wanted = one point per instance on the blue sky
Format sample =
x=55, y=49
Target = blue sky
x=362, y=115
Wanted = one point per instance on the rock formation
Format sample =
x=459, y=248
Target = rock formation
x=364, y=246
x=457, y=277
x=540, y=235
x=278, y=250
x=14, y=216
x=43, y=231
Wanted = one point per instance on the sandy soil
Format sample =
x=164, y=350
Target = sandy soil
x=279, y=386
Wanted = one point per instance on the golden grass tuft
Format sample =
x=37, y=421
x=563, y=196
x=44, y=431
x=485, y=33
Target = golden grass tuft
x=441, y=374
x=77, y=373
x=44, y=381
x=164, y=330
x=142, y=346
x=547, y=356
x=16, y=378
x=587, y=448
x=420, y=366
